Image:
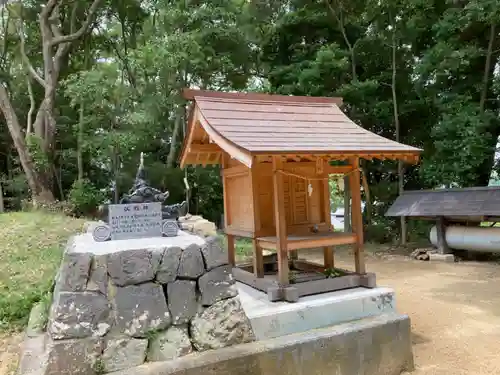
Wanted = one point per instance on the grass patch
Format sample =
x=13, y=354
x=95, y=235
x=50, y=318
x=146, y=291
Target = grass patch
x=243, y=246
x=31, y=245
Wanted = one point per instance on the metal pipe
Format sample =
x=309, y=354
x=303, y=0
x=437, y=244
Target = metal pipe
x=486, y=239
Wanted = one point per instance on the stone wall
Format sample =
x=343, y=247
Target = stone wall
x=118, y=304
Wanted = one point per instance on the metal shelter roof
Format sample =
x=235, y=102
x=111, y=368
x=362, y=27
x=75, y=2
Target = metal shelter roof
x=270, y=124
x=469, y=202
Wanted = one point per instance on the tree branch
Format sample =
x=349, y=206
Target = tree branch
x=82, y=30
x=27, y=62
x=24, y=56
x=29, y=120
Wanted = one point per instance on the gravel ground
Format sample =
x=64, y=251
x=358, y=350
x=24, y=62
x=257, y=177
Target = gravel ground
x=454, y=309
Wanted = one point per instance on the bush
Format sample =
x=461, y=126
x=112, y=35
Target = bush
x=85, y=198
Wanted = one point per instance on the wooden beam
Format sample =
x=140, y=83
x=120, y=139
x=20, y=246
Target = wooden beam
x=190, y=94
x=234, y=171
x=328, y=169
x=229, y=147
x=280, y=221
x=210, y=148
x=357, y=216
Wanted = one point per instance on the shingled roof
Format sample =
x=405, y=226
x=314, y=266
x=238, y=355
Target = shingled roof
x=268, y=124
x=479, y=202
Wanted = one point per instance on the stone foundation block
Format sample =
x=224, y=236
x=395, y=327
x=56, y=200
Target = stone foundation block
x=220, y=325
x=78, y=315
x=74, y=272
x=123, y=353
x=75, y=357
x=140, y=309
x=191, y=265
x=132, y=267
x=182, y=301
x=167, y=271
x=171, y=344
x=214, y=253
x=217, y=285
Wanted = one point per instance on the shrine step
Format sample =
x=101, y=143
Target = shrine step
x=275, y=319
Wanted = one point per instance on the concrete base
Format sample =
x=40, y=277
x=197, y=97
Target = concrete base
x=437, y=257
x=372, y=346
x=275, y=319
x=310, y=285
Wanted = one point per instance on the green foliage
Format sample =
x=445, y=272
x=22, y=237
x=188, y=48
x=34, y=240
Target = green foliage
x=336, y=195
x=333, y=272
x=85, y=197
x=120, y=92
x=34, y=144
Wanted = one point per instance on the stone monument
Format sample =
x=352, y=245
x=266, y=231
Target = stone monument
x=141, y=213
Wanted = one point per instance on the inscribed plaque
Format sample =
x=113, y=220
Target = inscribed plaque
x=136, y=220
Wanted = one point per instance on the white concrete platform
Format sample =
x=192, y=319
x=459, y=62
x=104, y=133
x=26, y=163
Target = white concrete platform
x=275, y=319
x=84, y=243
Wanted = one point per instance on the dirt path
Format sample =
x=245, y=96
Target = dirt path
x=454, y=310
x=9, y=352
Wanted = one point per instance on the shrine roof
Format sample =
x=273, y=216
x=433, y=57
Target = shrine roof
x=255, y=124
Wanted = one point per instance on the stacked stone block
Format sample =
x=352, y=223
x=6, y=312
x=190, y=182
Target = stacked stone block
x=116, y=311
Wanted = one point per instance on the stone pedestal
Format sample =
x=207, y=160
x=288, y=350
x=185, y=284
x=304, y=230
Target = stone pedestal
x=118, y=304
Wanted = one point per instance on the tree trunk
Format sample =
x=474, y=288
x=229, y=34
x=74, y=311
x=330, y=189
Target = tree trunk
x=366, y=189
x=2, y=207
x=173, y=144
x=40, y=190
x=116, y=174
x=487, y=68
x=79, y=144
x=398, y=130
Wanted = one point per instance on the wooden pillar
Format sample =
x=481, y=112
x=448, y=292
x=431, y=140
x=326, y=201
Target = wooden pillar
x=442, y=245
x=280, y=221
x=258, y=259
x=357, y=216
x=231, y=253
x=328, y=252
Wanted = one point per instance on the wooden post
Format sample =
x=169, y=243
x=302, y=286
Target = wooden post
x=328, y=254
x=231, y=253
x=258, y=259
x=280, y=221
x=442, y=245
x=357, y=216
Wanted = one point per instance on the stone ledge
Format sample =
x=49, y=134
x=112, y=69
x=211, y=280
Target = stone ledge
x=375, y=346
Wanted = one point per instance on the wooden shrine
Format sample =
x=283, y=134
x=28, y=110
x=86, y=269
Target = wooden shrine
x=275, y=153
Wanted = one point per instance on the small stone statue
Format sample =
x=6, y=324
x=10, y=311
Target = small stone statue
x=141, y=192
